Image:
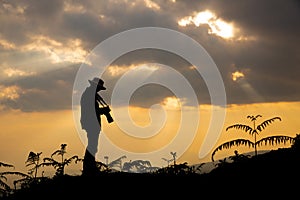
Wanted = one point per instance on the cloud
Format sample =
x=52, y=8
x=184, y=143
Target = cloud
x=51, y=90
x=216, y=26
x=9, y=92
x=237, y=75
x=12, y=72
x=46, y=37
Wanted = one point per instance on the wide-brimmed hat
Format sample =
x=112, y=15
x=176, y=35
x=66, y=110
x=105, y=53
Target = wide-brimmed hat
x=98, y=82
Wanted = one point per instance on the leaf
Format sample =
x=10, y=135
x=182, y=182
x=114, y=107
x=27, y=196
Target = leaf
x=227, y=145
x=5, y=165
x=116, y=162
x=280, y=139
x=263, y=125
x=16, y=173
x=4, y=185
x=32, y=157
x=245, y=128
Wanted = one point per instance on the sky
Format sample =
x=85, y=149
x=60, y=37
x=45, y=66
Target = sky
x=43, y=45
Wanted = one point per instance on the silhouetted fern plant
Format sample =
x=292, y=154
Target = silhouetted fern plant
x=5, y=189
x=254, y=131
x=59, y=165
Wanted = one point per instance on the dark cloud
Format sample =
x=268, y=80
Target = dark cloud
x=51, y=90
x=270, y=62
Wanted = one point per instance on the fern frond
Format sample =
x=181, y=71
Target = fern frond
x=250, y=117
x=29, y=164
x=49, y=160
x=227, y=145
x=273, y=140
x=32, y=157
x=264, y=124
x=3, y=177
x=5, y=165
x=15, y=173
x=243, y=127
x=56, y=152
x=4, y=185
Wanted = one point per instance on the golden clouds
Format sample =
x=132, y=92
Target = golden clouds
x=237, y=75
x=13, y=72
x=116, y=70
x=71, y=51
x=6, y=44
x=57, y=52
x=10, y=92
x=172, y=103
x=216, y=25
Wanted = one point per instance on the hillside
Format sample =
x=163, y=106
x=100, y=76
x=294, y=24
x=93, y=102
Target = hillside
x=275, y=169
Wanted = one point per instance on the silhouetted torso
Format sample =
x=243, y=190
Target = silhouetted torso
x=90, y=117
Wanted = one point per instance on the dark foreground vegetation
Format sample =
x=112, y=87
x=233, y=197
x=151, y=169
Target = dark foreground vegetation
x=274, y=172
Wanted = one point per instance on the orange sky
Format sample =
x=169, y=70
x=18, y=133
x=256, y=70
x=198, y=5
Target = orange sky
x=45, y=131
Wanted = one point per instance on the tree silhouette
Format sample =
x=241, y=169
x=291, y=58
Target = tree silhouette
x=140, y=166
x=59, y=165
x=117, y=163
x=33, y=159
x=254, y=131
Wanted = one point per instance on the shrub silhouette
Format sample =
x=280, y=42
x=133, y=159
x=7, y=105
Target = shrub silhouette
x=4, y=187
x=253, y=131
x=59, y=165
x=140, y=166
x=33, y=159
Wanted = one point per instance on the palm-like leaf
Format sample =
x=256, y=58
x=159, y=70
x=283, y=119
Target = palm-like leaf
x=32, y=157
x=117, y=162
x=227, y=145
x=5, y=165
x=253, y=118
x=280, y=139
x=3, y=176
x=4, y=185
x=243, y=127
x=50, y=162
x=14, y=173
x=264, y=124
x=69, y=160
x=58, y=152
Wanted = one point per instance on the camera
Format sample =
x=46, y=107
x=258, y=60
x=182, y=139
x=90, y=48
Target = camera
x=105, y=110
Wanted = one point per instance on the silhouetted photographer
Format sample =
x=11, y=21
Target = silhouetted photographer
x=92, y=107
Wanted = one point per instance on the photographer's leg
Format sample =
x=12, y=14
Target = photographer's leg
x=89, y=162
